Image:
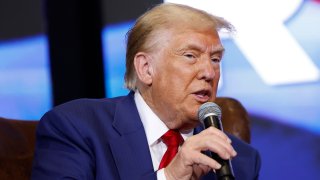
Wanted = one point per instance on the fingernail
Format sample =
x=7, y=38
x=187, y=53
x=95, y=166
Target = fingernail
x=218, y=166
x=234, y=153
x=227, y=157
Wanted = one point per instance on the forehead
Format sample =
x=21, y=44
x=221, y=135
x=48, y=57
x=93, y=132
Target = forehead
x=197, y=39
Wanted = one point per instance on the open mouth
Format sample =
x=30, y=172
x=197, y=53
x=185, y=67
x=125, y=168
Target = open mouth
x=203, y=95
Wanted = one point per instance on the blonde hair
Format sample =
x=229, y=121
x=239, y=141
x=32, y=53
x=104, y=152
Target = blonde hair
x=164, y=16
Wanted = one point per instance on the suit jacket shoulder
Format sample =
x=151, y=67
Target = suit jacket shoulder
x=92, y=139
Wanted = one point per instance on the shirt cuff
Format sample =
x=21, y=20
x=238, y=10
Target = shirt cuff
x=161, y=175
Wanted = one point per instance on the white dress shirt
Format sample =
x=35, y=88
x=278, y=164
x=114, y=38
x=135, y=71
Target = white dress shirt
x=154, y=129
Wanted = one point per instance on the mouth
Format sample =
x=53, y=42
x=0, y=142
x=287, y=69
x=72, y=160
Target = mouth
x=203, y=95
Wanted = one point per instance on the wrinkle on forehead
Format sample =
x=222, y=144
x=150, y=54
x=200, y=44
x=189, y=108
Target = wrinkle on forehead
x=162, y=37
x=202, y=47
x=206, y=41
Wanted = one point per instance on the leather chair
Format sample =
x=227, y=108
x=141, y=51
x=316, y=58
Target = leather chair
x=17, y=141
x=235, y=118
x=17, y=138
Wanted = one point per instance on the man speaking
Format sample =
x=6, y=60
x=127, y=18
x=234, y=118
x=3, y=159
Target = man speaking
x=172, y=68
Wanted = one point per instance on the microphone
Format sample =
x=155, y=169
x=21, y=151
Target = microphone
x=209, y=114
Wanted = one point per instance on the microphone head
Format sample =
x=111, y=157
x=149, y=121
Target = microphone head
x=207, y=109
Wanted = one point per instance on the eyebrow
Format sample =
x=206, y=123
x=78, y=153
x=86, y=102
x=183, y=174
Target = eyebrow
x=215, y=49
x=218, y=49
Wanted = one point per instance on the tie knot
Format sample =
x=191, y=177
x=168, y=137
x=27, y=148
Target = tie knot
x=172, y=138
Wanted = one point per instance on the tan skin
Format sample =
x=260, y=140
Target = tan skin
x=174, y=79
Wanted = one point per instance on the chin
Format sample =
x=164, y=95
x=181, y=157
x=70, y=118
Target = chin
x=190, y=125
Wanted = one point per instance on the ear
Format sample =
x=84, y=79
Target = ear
x=143, y=66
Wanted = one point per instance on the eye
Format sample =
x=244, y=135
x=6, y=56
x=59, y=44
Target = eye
x=216, y=60
x=190, y=55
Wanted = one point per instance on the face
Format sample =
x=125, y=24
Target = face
x=185, y=74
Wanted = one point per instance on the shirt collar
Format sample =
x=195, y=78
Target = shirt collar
x=152, y=124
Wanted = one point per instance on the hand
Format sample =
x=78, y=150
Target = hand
x=190, y=163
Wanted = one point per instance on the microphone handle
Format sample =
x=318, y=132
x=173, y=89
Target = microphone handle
x=226, y=171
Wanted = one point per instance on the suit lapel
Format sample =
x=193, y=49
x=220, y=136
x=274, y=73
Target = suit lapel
x=130, y=149
x=198, y=129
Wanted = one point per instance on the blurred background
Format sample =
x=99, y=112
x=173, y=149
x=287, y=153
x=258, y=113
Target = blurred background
x=54, y=51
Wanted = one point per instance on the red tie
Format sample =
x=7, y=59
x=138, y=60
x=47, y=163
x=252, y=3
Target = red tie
x=172, y=139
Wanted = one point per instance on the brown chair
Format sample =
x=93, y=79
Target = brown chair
x=17, y=138
x=235, y=118
x=17, y=141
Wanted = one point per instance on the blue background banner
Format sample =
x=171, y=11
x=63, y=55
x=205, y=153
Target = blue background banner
x=285, y=118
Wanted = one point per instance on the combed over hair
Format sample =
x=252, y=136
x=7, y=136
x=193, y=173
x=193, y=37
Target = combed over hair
x=164, y=16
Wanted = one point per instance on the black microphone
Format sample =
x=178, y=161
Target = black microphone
x=210, y=115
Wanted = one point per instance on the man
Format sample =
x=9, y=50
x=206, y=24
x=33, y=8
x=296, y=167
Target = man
x=172, y=67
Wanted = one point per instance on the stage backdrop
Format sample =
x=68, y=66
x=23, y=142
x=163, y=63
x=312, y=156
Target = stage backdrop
x=25, y=85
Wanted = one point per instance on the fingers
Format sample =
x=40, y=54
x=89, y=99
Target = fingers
x=192, y=166
x=191, y=162
x=213, y=140
x=199, y=170
x=214, y=131
x=206, y=161
x=224, y=150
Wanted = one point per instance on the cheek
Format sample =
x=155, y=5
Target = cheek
x=217, y=73
x=217, y=76
x=215, y=82
x=177, y=75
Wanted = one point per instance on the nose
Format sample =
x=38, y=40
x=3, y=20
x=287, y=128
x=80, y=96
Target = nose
x=207, y=69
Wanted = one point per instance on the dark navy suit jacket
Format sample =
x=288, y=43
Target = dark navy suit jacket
x=104, y=139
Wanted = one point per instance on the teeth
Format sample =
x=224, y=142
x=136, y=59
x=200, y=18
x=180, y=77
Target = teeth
x=202, y=93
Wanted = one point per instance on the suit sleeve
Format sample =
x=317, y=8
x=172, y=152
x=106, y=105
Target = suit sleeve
x=258, y=166
x=61, y=151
